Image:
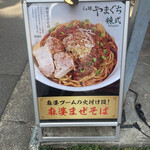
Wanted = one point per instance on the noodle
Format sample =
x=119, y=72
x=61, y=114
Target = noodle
x=100, y=28
x=101, y=57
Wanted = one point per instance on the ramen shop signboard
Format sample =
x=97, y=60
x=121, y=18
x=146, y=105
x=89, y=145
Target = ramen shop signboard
x=78, y=107
x=77, y=58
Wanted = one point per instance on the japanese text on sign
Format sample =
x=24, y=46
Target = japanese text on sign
x=108, y=11
x=78, y=107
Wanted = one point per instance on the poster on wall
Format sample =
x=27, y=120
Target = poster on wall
x=77, y=54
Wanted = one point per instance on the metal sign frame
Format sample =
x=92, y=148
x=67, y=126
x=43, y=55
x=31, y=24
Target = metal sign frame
x=39, y=125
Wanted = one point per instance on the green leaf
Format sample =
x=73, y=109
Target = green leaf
x=114, y=148
x=97, y=147
x=45, y=147
x=98, y=42
x=103, y=148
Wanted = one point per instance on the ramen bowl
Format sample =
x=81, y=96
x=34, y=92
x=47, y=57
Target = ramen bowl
x=77, y=54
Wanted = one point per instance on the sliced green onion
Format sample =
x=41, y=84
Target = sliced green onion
x=52, y=29
x=97, y=42
x=71, y=25
x=83, y=23
x=103, y=57
x=86, y=20
x=97, y=72
x=94, y=28
x=102, y=44
x=82, y=70
x=105, y=51
x=102, y=35
x=62, y=33
x=94, y=59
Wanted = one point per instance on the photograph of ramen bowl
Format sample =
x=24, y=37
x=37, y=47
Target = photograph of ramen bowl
x=77, y=56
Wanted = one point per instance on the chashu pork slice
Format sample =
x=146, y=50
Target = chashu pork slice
x=54, y=44
x=44, y=60
x=63, y=63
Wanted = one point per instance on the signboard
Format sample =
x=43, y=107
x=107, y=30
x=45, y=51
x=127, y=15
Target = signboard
x=77, y=62
x=78, y=107
x=77, y=55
